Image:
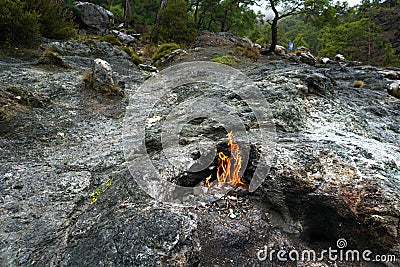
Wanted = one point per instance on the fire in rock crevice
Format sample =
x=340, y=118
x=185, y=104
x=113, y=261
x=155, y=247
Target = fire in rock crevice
x=228, y=166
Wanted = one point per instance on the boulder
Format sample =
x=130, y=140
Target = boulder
x=325, y=60
x=219, y=39
x=302, y=49
x=105, y=80
x=392, y=75
x=148, y=68
x=124, y=38
x=308, y=58
x=248, y=41
x=340, y=57
x=170, y=57
x=319, y=84
x=280, y=50
x=394, y=89
x=102, y=73
x=93, y=17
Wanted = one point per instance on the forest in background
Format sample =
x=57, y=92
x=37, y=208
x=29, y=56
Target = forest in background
x=368, y=32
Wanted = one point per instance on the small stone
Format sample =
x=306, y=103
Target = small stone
x=232, y=216
x=232, y=198
x=24, y=258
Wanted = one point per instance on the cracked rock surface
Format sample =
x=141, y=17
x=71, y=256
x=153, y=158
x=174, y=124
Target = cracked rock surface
x=335, y=175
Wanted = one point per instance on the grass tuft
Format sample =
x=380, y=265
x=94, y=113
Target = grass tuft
x=358, y=84
x=164, y=50
x=227, y=60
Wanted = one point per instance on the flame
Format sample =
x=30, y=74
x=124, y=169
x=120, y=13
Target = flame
x=228, y=173
x=208, y=183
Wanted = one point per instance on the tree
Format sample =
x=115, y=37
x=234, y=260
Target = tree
x=358, y=40
x=156, y=28
x=174, y=23
x=225, y=15
x=288, y=8
x=127, y=13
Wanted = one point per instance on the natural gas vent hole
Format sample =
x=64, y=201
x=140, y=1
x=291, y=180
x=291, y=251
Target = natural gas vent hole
x=321, y=225
x=192, y=179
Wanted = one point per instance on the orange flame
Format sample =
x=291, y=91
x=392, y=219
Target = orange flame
x=226, y=171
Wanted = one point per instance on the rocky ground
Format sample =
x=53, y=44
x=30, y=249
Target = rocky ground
x=335, y=174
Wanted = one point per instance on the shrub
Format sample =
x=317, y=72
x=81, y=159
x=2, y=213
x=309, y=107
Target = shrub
x=130, y=31
x=358, y=84
x=55, y=22
x=135, y=58
x=149, y=50
x=87, y=78
x=111, y=39
x=250, y=52
x=50, y=57
x=164, y=49
x=17, y=25
x=176, y=24
x=126, y=50
x=145, y=38
x=21, y=21
x=227, y=60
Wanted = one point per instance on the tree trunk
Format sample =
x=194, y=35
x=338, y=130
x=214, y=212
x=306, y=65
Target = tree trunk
x=274, y=27
x=156, y=28
x=224, y=19
x=127, y=13
x=196, y=13
x=274, y=34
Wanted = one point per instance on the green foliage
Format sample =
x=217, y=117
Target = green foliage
x=293, y=29
x=144, y=12
x=176, y=24
x=300, y=40
x=55, y=22
x=18, y=26
x=390, y=58
x=126, y=50
x=164, y=49
x=130, y=31
x=227, y=15
x=227, y=60
x=111, y=39
x=358, y=40
x=250, y=52
x=135, y=58
x=93, y=196
x=21, y=21
x=118, y=12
